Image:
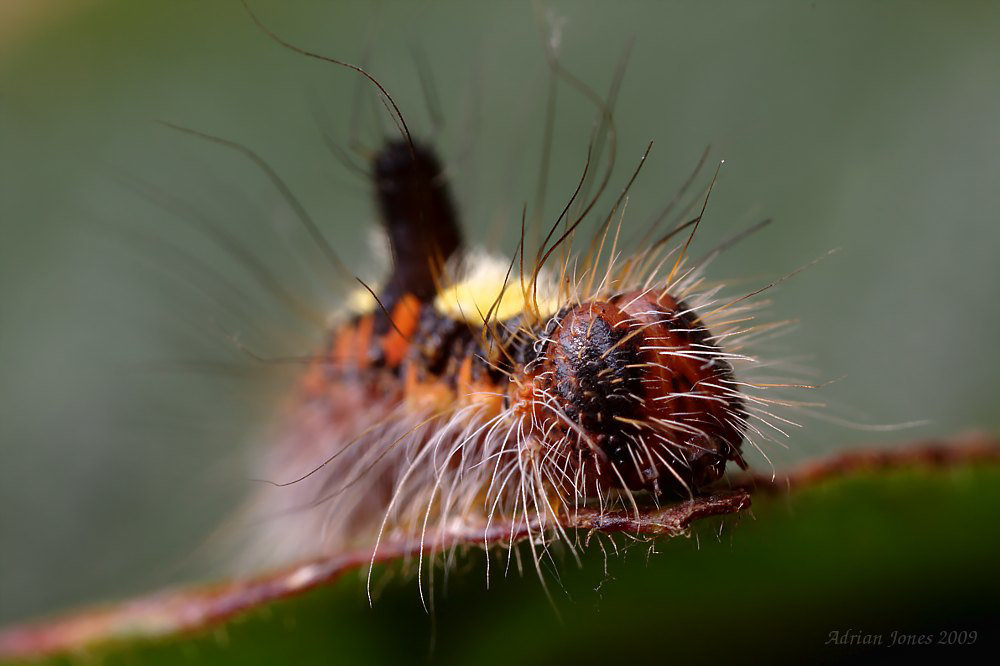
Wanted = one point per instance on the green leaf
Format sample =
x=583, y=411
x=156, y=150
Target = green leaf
x=876, y=549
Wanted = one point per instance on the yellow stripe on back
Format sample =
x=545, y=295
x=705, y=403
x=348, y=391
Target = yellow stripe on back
x=470, y=299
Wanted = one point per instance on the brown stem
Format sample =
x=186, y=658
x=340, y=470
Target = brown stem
x=970, y=447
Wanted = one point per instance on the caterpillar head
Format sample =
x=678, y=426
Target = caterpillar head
x=631, y=392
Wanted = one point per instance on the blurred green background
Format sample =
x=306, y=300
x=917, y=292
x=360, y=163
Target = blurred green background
x=871, y=127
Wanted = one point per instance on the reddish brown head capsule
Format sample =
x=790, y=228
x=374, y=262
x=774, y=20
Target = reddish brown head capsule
x=633, y=393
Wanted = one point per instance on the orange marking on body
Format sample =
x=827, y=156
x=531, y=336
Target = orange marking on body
x=314, y=383
x=362, y=341
x=405, y=317
x=421, y=395
x=343, y=345
x=465, y=374
x=478, y=391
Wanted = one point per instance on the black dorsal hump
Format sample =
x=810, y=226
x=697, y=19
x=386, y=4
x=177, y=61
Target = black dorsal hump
x=419, y=216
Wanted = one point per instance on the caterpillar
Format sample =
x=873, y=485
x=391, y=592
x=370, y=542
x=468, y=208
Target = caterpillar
x=466, y=390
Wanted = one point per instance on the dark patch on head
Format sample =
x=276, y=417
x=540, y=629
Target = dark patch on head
x=591, y=373
x=641, y=418
x=588, y=366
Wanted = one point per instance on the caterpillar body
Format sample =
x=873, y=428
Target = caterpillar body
x=465, y=391
x=462, y=393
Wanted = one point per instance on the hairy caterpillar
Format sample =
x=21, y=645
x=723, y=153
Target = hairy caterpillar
x=467, y=390
x=662, y=117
